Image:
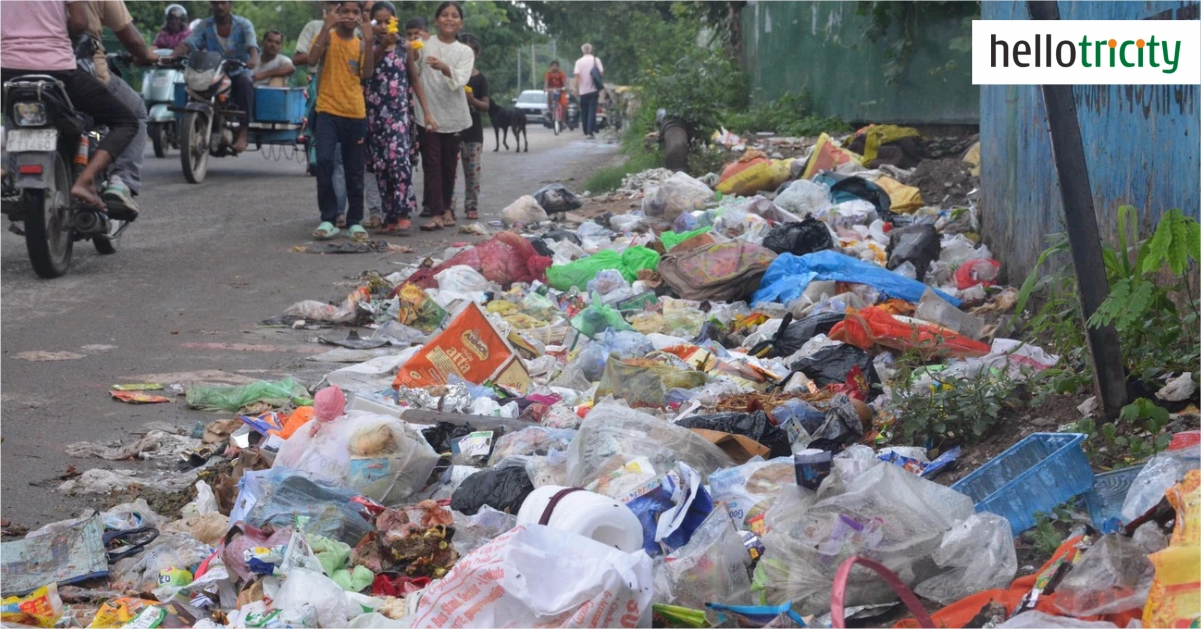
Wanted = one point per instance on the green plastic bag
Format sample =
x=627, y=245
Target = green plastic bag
x=580, y=272
x=643, y=384
x=597, y=318
x=233, y=398
x=671, y=239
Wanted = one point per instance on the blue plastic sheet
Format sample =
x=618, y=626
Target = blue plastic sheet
x=789, y=275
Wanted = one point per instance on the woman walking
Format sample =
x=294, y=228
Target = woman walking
x=390, y=122
x=445, y=67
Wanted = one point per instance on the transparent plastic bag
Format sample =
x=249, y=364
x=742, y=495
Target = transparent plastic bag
x=710, y=568
x=1153, y=481
x=170, y=550
x=311, y=588
x=645, y=383
x=532, y=441
x=473, y=531
x=887, y=513
x=591, y=360
x=679, y=193
x=803, y=197
x=462, y=280
x=278, y=495
x=613, y=435
x=1114, y=575
x=980, y=555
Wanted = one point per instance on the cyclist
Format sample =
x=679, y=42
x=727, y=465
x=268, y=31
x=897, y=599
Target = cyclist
x=554, y=80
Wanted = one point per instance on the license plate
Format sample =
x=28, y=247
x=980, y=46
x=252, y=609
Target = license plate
x=19, y=140
x=162, y=81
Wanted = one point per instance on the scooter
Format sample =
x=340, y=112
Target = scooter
x=158, y=90
x=47, y=144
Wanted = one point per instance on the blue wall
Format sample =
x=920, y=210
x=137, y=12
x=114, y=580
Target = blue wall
x=1142, y=144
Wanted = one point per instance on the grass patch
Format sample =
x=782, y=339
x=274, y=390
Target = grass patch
x=609, y=179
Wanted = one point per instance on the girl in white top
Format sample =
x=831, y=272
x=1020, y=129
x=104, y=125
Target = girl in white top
x=445, y=66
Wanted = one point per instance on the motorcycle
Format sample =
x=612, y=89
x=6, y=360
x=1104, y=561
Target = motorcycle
x=158, y=90
x=208, y=127
x=47, y=144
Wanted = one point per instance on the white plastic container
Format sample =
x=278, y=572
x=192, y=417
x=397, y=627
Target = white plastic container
x=585, y=513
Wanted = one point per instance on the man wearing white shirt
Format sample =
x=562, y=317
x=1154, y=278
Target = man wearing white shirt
x=586, y=89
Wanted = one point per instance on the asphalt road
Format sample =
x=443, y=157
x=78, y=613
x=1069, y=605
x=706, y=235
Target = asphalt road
x=193, y=276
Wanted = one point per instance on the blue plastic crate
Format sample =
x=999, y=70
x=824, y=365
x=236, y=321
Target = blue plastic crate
x=1037, y=474
x=279, y=104
x=1104, y=500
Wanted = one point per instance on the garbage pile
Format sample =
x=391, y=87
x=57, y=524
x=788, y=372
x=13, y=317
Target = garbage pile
x=674, y=417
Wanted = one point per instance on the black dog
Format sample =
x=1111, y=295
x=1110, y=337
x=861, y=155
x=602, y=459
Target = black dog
x=504, y=118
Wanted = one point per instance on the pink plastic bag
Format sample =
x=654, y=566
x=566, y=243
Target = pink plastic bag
x=505, y=259
x=977, y=271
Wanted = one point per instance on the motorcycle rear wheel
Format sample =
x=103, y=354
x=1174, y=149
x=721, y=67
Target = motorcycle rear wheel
x=48, y=226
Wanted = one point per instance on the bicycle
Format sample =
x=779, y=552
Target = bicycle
x=557, y=111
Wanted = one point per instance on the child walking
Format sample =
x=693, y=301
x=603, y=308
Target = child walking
x=472, y=145
x=342, y=114
x=445, y=67
x=390, y=122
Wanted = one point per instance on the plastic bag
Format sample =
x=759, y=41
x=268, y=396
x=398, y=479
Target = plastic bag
x=792, y=335
x=1172, y=601
x=556, y=198
x=599, y=318
x=830, y=365
x=473, y=531
x=607, y=281
x=379, y=456
x=502, y=488
x=591, y=360
x=278, y=495
x=1159, y=474
x=1113, y=576
x=234, y=398
x=977, y=271
x=980, y=555
x=738, y=224
x=645, y=383
x=524, y=211
x=505, y=259
x=670, y=238
x=750, y=489
x=788, y=275
x=804, y=198
x=679, y=193
x=580, y=272
x=170, y=550
x=532, y=441
x=886, y=513
x=875, y=326
x=754, y=425
x=800, y=238
x=40, y=608
x=916, y=244
x=1035, y=619
x=310, y=588
x=613, y=435
x=511, y=582
x=710, y=568
x=724, y=271
x=762, y=175
x=826, y=156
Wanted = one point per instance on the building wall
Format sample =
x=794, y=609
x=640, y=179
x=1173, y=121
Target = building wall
x=1141, y=143
x=821, y=47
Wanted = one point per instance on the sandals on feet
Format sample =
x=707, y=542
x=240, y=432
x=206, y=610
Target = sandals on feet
x=373, y=222
x=473, y=215
x=448, y=220
x=357, y=233
x=341, y=222
x=432, y=225
x=399, y=228
x=325, y=231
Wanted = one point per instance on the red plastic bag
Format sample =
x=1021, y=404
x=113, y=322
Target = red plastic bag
x=505, y=259
x=874, y=326
x=977, y=271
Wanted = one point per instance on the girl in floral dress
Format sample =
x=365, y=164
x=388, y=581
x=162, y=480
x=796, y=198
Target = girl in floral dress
x=390, y=121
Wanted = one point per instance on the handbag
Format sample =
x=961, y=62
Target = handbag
x=597, y=80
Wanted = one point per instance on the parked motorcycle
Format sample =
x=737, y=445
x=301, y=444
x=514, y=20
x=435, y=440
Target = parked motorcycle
x=158, y=90
x=47, y=144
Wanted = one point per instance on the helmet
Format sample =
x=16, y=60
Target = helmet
x=175, y=10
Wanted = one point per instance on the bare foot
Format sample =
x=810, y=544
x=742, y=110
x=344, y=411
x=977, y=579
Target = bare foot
x=86, y=194
x=241, y=142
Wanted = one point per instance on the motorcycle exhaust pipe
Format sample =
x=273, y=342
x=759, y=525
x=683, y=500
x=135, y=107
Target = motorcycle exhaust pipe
x=91, y=223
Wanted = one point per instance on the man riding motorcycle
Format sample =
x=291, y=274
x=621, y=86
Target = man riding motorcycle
x=232, y=36
x=35, y=38
x=125, y=180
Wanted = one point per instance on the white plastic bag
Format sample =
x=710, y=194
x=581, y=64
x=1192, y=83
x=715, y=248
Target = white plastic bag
x=462, y=280
x=1114, y=575
x=750, y=489
x=523, y=211
x=980, y=554
x=539, y=577
x=804, y=197
x=380, y=456
x=1035, y=619
x=680, y=193
x=1161, y=472
x=307, y=587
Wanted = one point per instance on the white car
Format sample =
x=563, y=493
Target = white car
x=533, y=103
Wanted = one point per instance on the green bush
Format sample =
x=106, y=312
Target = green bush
x=699, y=88
x=788, y=115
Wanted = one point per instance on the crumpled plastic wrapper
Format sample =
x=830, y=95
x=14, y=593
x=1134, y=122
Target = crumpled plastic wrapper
x=448, y=398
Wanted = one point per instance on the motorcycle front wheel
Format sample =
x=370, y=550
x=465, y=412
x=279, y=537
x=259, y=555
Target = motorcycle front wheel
x=48, y=225
x=158, y=137
x=194, y=146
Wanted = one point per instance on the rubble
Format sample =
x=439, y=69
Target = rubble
x=684, y=413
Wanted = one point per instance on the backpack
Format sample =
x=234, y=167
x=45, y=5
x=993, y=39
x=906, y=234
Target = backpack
x=723, y=271
x=597, y=80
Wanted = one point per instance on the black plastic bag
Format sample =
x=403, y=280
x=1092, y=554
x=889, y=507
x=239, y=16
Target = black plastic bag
x=442, y=434
x=557, y=198
x=792, y=335
x=562, y=234
x=830, y=365
x=502, y=488
x=754, y=425
x=849, y=187
x=918, y=244
x=842, y=427
x=541, y=247
x=800, y=238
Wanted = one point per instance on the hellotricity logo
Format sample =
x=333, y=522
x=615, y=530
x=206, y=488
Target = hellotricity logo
x=1086, y=52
